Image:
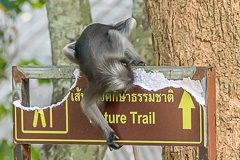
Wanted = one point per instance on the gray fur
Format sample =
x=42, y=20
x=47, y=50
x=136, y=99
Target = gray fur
x=105, y=56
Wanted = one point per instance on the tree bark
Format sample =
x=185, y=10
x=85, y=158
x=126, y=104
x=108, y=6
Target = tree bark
x=67, y=19
x=203, y=33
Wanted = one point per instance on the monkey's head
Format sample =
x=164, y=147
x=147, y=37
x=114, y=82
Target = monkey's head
x=114, y=74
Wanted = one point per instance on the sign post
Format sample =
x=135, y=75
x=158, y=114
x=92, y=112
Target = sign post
x=168, y=116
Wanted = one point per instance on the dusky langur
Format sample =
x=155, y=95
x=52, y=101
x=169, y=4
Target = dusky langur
x=105, y=56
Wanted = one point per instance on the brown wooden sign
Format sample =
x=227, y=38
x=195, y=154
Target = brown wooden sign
x=170, y=116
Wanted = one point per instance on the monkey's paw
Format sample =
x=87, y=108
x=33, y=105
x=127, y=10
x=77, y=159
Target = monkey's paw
x=111, y=141
x=141, y=63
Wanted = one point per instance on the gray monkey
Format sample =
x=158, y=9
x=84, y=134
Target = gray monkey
x=105, y=56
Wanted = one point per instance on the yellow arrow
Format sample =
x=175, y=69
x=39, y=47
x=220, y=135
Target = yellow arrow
x=186, y=104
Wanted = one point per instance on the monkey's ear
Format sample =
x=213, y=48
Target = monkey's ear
x=70, y=53
x=126, y=27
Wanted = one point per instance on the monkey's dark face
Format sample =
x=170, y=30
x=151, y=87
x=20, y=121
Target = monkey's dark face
x=117, y=75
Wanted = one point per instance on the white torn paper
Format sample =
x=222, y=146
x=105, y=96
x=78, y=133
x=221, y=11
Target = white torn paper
x=154, y=81
x=17, y=103
x=151, y=81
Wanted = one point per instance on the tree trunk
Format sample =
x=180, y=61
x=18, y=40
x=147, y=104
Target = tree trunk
x=203, y=33
x=67, y=20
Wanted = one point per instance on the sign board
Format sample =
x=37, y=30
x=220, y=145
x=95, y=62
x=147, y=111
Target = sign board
x=170, y=116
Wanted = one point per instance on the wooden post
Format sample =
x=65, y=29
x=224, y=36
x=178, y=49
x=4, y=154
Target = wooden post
x=210, y=151
x=211, y=114
x=22, y=151
x=21, y=91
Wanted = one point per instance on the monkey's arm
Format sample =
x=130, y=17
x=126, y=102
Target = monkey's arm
x=91, y=110
x=126, y=28
x=133, y=56
x=117, y=40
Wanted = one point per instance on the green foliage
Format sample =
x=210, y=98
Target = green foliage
x=43, y=81
x=12, y=8
x=15, y=6
x=4, y=111
x=3, y=65
x=35, y=152
x=6, y=151
x=4, y=41
x=38, y=4
x=28, y=62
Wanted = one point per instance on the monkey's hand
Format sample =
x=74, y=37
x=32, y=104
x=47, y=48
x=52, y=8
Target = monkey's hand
x=111, y=141
x=141, y=64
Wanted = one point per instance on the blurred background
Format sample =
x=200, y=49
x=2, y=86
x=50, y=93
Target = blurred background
x=25, y=40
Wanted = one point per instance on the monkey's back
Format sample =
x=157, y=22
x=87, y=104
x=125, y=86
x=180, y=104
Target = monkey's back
x=93, y=45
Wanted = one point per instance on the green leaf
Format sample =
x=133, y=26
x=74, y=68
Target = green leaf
x=4, y=112
x=6, y=151
x=28, y=62
x=38, y=4
x=3, y=65
x=35, y=153
x=43, y=81
x=15, y=6
x=1, y=33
